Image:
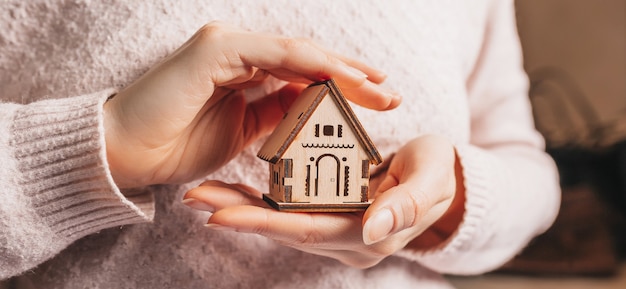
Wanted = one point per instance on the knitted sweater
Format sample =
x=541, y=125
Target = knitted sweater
x=64, y=223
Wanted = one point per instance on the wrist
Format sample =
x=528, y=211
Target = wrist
x=111, y=140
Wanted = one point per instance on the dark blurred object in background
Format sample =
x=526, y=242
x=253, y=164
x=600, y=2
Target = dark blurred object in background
x=575, y=56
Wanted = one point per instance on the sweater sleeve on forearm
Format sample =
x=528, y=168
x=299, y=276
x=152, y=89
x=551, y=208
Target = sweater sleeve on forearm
x=511, y=196
x=54, y=180
x=511, y=184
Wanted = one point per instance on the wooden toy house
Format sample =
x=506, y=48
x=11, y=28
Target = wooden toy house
x=319, y=155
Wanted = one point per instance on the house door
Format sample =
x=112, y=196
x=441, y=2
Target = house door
x=327, y=180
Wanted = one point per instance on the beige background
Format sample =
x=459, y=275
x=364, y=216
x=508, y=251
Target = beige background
x=584, y=41
x=578, y=49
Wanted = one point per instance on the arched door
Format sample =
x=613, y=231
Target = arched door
x=327, y=179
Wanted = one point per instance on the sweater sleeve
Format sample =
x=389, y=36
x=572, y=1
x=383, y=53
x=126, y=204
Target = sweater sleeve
x=55, y=184
x=512, y=191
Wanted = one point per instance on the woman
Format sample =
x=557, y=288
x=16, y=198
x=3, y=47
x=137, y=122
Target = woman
x=469, y=173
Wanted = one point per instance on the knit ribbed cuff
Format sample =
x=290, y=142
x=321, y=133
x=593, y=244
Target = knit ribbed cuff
x=477, y=187
x=59, y=145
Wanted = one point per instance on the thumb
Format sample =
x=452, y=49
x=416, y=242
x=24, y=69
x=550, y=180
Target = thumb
x=263, y=115
x=396, y=209
x=416, y=191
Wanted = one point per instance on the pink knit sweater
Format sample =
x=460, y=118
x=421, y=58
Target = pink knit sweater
x=64, y=223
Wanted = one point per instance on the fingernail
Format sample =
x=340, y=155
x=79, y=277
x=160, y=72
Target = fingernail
x=198, y=205
x=381, y=75
x=218, y=227
x=378, y=227
x=395, y=95
x=396, y=99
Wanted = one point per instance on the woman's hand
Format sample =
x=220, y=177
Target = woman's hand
x=187, y=117
x=412, y=208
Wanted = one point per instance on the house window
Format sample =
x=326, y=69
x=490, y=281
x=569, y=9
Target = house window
x=329, y=130
x=288, y=167
x=339, y=130
x=288, y=194
x=317, y=130
x=365, y=169
x=364, y=193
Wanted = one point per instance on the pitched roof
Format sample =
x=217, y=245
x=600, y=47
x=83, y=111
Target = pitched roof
x=300, y=112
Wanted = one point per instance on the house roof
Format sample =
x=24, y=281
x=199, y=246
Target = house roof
x=300, y=112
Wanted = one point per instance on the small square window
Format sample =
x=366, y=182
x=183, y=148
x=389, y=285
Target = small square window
x=329, y=130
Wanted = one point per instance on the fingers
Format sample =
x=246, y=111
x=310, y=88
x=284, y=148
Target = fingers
x=311, y=230
x=214, y=195
x=240, y=208
x=368, y=95
x=335, y=235
x=301, y=59
x=288, y=56
x=243, y=50
x=373, y=75
x=236, y=56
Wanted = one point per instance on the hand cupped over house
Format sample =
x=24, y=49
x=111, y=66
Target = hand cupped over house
x=187, y=116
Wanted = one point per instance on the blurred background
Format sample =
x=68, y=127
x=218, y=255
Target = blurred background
x=575, y=57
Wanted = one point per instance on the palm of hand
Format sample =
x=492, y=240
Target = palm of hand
x=188, y=145
x=211, y=139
